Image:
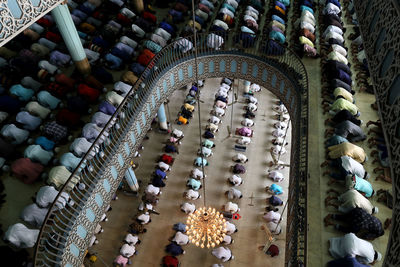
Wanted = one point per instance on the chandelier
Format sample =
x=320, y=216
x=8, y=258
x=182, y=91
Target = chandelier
x=206, y=227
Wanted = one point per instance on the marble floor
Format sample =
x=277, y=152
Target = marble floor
x=250, y=236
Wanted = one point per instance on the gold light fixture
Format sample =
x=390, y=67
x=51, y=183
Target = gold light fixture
x=206, y=227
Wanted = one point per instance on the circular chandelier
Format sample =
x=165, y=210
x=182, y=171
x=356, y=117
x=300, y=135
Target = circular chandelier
x=206, y=227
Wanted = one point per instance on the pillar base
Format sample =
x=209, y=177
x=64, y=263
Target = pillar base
x=83, y=66
x=138, y=6
x=163, y=125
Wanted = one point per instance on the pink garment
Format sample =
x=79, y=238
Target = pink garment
x=121, y=260
x=245, y=131
x=173, y=140
x=310, y=51
x=26, y=170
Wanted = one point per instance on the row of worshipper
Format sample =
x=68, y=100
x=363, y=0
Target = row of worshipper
x=305, y=26
x=250, y=23
x=345, y=158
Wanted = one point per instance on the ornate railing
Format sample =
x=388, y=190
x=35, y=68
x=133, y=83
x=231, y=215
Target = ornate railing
x=378, y=22
x=66, y=233
x=17, y=15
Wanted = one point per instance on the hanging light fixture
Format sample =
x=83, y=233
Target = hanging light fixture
x=206, y=227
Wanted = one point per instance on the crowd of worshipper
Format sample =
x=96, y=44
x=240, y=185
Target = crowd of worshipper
x=276, y=29
x=42, y=108
x=304, y=24
x=345, y=153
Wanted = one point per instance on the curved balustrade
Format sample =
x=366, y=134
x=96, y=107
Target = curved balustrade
x=66, y=233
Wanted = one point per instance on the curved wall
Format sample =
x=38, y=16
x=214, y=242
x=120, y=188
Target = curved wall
x=65, y=237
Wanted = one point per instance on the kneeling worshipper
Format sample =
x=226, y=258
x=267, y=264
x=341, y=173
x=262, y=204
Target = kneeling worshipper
x=34, y=215
x=351, y=245
x=180, y=238
x=357, y=221
x=223, y=253
x=21, y=236
x=349, y=200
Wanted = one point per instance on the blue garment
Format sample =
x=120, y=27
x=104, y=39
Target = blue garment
x=246, y=30
x=160, y=173
x=113, y=61
x=181, y=227
x=69, y=161
x=335, y=140
x=137, y=68
x=277, y=36
x=285, y=2
x=279, y=4
x=107, y=108
x=194, y=184
x=28, y=121
x=273, y=48
x=23, y=94
x=79, y=14
x=167, y=27
x=363, y=186
x=228, y=6
x=307, y=3
x=335, y=2
x=199, y=20
x=121, y=54
x=302, y=8
x=100, y=42
x=198, y=162
x=45, y=143
x=174, y=249
x=346, y=262
x=276, y=189
x=102, y=75
x=278, y=19
x=47, y=100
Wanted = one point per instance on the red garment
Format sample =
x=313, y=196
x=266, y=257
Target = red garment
x=204, y=8
x=68, y=118
x=93, y=82
x=57, y=89
x=88, y=92
x=167, y=159
x=170, y=261
x=149, y=17
x=65, y=80
x=273, y=250
x=26, y=170
x=54, y=37
x=182, y=8
x=145, y=57
x=123, y=19
x=98, y=15
x=44, y=22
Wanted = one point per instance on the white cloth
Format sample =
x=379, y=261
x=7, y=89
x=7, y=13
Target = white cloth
x=214, y=120
x=339, y=49
x=127, y=250
x=163, y=33
x=272, y=216
x=240, y=157
x=46, y=195
x=177, y=133
x=16, y=134
x=222, y=253
x=192, y=194
x=131, y=239
x=163, y=166
x=277, y=149
x=244, y=140
x=280, y=125
x=352, y=199
x=230, y=228
x=100, y=119
x=332, y=28
x=255, y=87
x=197, y=174
x=144, y=218
x=231, y=207
x=154, y=190
x=331, y=9
x=252, y=107
x=218, y=111
x=233, y=193
x=80, y=146
x=247, y=122
x=188, y=207
x=227, y=239
x=205, y=151
x=180, y=238
x=272, y=226
x=307, y=25
x=215, y=41
x=114, y=98
x=183, y=44
x=21, y=236
x=236, y=180
x=353, y=166
x=351, y=245
x=276, y=176
x=278, y=133
x=334, y=35
x=34, y=215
